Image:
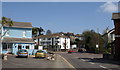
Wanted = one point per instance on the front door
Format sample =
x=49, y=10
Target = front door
x=9, y=47
x=19, y=47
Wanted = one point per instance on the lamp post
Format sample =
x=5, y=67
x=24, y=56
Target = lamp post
x=97, y=46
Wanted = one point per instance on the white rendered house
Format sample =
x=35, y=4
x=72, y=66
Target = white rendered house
x=53, y=42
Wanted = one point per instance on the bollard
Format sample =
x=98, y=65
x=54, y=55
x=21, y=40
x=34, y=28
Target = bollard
x=51, y=56
x=4, y=57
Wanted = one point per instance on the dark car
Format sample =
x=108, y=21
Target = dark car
x=23, y=53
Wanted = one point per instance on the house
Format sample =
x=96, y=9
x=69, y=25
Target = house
x=110, y=35
x=54, y=42
x=18, y=36
x=110, y=40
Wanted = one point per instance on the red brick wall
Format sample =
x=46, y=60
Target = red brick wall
x=117, y=39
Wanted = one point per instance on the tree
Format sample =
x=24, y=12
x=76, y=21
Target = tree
x=5, y=22
x=91, y=38
x=49, y=32
x=40, y=31
x=37, y=31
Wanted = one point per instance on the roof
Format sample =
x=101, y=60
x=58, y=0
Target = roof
x=112, y=31
x=50, y=36
x=17, y=40
x=21, y=25
x=116, y=16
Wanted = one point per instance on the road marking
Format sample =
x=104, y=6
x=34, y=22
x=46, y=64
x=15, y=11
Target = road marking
x=67, y=62
x=83, y=60
x=91, y=63
x=109, y=69
x=102, y=66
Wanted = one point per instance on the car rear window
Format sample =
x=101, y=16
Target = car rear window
x=40, y=51
x=23, y=50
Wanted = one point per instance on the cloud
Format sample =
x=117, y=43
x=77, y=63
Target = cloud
x=109, y=7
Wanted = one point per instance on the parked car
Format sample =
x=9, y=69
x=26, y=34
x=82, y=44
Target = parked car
x=71, y=51
x=40, y=53
x=23, y=53
x=81, y=50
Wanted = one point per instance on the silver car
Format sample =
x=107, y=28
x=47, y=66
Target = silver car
x=23, y=53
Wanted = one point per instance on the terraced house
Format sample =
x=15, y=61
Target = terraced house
x=19, y=36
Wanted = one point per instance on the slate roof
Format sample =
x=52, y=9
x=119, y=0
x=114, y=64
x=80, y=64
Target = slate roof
x=21, y=25
x=17, y=40
x=50, y=36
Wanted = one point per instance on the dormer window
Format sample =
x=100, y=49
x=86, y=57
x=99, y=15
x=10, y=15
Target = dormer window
x=24, y=33
x=8, y=33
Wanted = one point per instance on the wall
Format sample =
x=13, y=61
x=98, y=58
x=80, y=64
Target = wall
x=62, y=41
x=18, y=32
x=15, y=47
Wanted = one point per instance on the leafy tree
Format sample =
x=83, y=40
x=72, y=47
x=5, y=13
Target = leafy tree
x=37, y=31
x=91, y=38
x=5, y=22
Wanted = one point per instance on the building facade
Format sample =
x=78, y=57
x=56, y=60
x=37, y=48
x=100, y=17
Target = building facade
x=53, y=42
x=18, y=36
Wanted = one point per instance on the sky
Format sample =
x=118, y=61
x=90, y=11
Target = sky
x=73, y=17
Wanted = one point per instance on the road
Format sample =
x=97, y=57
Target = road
x=89, y=61
x=32, y=63
x=64, y=61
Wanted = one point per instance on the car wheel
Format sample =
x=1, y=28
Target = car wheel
x=26, y=56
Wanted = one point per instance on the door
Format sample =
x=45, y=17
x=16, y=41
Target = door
x=19, y=47
x=9, y=47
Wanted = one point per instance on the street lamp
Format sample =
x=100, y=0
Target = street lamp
x=97, y=46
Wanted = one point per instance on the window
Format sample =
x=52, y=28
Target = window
x=27, y=47
x=7, y=33
x=36, y=47
x=43, y=38
x=4, y=46
x=49, y=38
x=57, y=37
x=24, y=34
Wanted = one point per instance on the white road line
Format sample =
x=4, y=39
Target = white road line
x=91, y=63
x=83, y=60
x=102, y=66
x=67, y=62
x=109, y=69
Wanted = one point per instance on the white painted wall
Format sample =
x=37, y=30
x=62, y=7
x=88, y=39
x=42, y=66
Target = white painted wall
x=61, y=42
